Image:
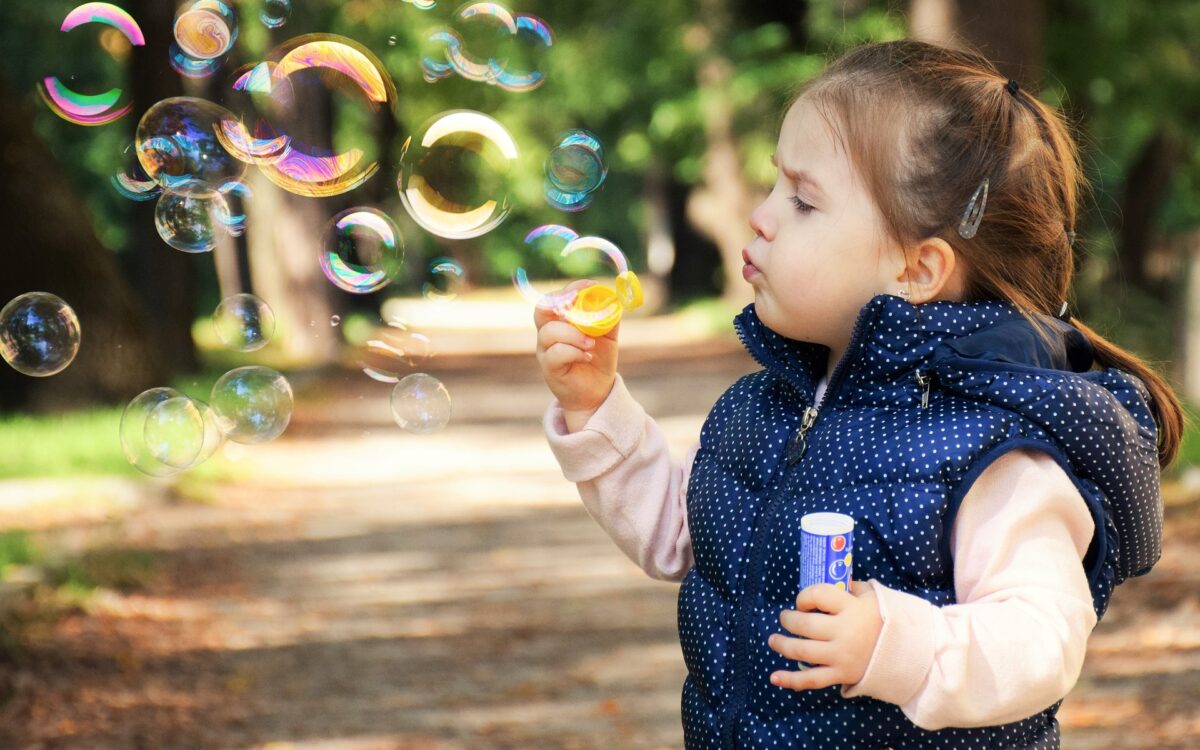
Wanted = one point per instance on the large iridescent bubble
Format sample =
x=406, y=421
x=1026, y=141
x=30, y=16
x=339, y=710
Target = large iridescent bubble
x=177, y=146
x=39, y=334
x=455, y=172
x=92, y=109
x=270, y=132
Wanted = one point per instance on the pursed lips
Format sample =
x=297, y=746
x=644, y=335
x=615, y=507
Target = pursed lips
x=749, y=270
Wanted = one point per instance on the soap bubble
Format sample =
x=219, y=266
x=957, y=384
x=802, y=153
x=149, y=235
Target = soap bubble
x=133, y=431
x=178, y=147
x=454, y=174
x=92, y=109
x=191, y=67
x=490, y=44
x=174, y=431
x=575, y=169
x=394, y=349
x=39, y=334
x=253, y=404
x=205, y=29
x=186, y=222
x=315, y=63
x=335, y=321
x=539, y=277
x=275, y=13
x=444, y=280
x=263, y=146
x=362, y=250
x=244, y=322
x=422, y=4
x=132, y=182
x=230, y=209
x=421, y=404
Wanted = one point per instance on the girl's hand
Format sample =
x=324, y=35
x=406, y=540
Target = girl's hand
x=840, y=630
x=579, y=369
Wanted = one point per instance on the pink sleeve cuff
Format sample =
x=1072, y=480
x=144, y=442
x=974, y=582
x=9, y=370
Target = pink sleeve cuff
x=610, y=435
x=903, y=654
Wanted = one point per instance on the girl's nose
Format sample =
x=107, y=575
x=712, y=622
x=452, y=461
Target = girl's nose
x=761, y=223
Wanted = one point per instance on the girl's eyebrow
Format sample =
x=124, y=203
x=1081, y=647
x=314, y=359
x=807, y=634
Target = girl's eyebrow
x=798, y=176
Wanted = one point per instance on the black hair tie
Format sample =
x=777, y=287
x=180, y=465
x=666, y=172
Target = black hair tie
x=1013, y=86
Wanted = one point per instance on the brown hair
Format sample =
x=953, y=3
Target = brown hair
x=924, y=126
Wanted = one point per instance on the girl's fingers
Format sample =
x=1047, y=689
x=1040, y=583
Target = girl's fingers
x=560, y=332
x=802, y=649
x=809, y=679
x=543, y=315
x=561, y=355
x=809, y=624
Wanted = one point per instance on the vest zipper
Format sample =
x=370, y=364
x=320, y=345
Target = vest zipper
x=799, y=441
x=925, y=381
x=740, y=645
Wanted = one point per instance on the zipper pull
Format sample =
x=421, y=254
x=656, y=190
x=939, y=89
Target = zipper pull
x=799, y=442
x=925, y=382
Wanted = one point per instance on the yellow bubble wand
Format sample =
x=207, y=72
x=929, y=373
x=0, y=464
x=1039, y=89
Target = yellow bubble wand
x=596, y=309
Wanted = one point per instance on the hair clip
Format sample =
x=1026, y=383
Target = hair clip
x=969, y=223
x=1012, y=86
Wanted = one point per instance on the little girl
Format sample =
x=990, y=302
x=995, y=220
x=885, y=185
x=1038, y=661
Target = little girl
x=921, y=374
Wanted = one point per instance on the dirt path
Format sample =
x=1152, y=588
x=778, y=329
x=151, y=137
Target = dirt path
x=365, y=589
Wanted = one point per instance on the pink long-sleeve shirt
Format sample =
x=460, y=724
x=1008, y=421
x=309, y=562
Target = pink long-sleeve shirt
x=1018, y=542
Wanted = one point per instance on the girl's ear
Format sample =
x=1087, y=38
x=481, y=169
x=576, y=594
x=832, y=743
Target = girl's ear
x=933, y=271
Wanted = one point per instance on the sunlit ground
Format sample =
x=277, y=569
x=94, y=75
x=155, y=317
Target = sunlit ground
x=354, y=586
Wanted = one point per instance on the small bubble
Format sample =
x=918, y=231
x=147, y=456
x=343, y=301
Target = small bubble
x=335, y=320
x=392, y=40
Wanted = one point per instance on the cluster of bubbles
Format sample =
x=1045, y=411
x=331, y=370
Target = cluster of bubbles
x=453, y=180
x=164, y=431
x=39, y=334
x=575, y=170
x=496, y=31
x=420, y=403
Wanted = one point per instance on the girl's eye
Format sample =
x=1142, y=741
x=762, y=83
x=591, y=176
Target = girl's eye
x=800, y=205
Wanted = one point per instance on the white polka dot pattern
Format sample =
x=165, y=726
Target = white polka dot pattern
x=900, y=469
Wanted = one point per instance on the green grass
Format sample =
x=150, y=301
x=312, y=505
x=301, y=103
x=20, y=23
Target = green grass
x=80, y=443
x=16, y=548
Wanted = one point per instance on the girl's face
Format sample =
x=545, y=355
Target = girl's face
x=820, y=251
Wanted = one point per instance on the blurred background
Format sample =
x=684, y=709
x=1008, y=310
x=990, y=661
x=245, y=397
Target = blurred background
x=352, y=584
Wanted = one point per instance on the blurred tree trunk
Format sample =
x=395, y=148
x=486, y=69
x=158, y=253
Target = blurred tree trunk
x=1146, y=186
x=1011, y=34
x=54, y=249
x=163, y=278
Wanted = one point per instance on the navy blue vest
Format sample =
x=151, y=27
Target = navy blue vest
x=924, y=399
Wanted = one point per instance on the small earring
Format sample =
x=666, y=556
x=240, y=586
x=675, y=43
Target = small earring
x=904, y=293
